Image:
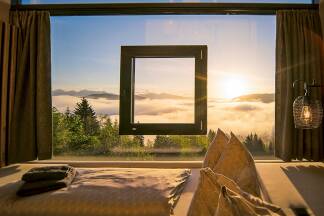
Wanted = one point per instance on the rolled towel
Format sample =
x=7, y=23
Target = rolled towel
x=47, y=173
x=41, y=186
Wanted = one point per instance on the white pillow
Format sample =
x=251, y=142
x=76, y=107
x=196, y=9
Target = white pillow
x=237, y=163
x=231, y=203
x=206, y=198
x=215, y=149
x=204, y=202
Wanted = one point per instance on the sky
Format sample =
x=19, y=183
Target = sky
x=86, y=52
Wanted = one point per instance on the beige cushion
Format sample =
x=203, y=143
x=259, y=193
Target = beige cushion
x=237, y=163
x=215, y=149
x=231, y=203
x=261, y=203
x=206, y=196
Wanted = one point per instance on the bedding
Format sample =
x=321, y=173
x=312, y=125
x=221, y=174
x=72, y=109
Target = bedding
x=237, y=163
x=230, y=165
x=215, y=149
x=98, y=191
x=208, y=196
x=231, y=203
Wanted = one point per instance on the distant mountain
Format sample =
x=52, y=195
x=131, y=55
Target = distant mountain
x=108, y=96
x=151, y=95
x=111, y=96
x=264, y=98
x=82, y=93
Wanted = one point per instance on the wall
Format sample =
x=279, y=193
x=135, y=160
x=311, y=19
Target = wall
x=4, y=10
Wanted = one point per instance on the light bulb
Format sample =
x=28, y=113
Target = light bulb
x=306, y=114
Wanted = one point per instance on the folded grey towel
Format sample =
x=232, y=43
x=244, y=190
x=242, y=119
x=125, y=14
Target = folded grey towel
x=41, y=186
x=47, y=173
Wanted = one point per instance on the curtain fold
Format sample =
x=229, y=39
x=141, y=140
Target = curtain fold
x=321, y=12
x=299, y=55
x=8, y=49
x=31, y=122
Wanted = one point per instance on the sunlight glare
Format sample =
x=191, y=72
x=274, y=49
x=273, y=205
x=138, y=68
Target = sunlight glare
x=234, y=87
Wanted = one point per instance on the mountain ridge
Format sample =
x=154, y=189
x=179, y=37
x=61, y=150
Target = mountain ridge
x=111, y=96
x=263, y=97
x=81, y=93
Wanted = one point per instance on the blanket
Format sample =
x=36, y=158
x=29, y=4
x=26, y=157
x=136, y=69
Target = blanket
x=99, y=192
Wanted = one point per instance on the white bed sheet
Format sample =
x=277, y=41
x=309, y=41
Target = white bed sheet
x=90, y=194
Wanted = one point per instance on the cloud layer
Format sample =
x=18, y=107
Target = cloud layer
x=239, y=117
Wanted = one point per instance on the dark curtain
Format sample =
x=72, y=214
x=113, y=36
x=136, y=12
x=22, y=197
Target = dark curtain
x=31, y=122
x=299, y=55
x=8, y=49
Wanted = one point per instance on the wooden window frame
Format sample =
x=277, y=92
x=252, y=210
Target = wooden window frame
x=196, y=8
x=127, y=82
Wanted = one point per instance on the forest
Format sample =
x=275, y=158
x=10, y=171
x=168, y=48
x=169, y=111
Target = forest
x=83, y=132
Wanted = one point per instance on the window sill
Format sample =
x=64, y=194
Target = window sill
x=136, y=164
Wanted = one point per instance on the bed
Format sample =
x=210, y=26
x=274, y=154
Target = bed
x=142, y=191
x=104, y=191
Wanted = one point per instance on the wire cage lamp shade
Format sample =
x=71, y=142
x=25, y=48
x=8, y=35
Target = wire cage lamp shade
x=308, y=112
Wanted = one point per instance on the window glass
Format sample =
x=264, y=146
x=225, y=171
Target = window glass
x=85, y=82
x=160, y=1
x=148, y=75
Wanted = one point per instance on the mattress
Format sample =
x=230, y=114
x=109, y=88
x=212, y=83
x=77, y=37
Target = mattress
x=106, y=191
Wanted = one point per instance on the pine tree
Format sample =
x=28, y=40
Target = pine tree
x=88, y=117
x=139, y=139
x=211, y=135
x=57, y=143
x=109, y=136
x=67, y=113
x=164, y=141
x=254, y=143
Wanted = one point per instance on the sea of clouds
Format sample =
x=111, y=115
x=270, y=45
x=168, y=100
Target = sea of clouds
x=239, y=117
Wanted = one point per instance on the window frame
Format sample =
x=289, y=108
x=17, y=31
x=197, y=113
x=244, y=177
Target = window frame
x=162, y=9
x=127, y=86
x=186, y=8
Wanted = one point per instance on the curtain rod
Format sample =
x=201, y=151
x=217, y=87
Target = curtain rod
x=164, y=8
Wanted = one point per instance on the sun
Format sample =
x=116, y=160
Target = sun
x=234, y=87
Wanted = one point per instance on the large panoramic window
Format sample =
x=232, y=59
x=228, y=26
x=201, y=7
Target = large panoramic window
x=86, y=84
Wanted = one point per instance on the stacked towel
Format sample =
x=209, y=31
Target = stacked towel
x=43, y=179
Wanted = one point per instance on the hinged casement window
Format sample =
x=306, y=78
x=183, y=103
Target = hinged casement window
x=135, y=59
